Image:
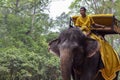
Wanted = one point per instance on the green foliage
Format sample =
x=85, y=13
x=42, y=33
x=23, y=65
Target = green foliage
x=24, y=37
x=22, y=63
x=96, y=7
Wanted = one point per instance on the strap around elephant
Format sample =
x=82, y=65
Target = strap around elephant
x=70, y=23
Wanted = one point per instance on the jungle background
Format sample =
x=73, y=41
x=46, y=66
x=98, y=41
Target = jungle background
x=25, y=30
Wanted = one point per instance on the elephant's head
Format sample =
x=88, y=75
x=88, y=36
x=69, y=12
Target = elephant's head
x=72, y=46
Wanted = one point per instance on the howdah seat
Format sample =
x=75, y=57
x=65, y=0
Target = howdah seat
x=112, y=25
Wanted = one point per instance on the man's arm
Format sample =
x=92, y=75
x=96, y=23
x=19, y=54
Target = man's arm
x=95, y=24
x=98, y=25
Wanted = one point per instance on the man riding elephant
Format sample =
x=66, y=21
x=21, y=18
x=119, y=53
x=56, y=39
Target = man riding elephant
x=108, y=55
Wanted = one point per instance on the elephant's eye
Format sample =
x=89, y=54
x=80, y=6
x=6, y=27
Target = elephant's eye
x=78, y=51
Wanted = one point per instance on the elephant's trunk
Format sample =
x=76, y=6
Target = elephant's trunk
x=66, y=63
x=66, y=59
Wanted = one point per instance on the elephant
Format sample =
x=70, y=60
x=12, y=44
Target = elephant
x=79, y=55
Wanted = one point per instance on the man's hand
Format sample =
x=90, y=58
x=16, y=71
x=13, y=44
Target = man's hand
x=102, y=26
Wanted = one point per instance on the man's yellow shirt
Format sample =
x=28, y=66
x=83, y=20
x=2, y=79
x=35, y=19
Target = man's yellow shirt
x=83, y=21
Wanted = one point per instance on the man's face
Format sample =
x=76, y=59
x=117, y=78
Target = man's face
x=82, y=11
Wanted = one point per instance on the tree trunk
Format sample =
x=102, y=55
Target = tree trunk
x=16, y=6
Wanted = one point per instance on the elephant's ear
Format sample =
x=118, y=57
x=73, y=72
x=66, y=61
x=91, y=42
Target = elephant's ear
x=53, y=47
x=91, y=47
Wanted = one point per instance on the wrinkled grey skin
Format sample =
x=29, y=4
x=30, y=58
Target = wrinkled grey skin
x=79, y=55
